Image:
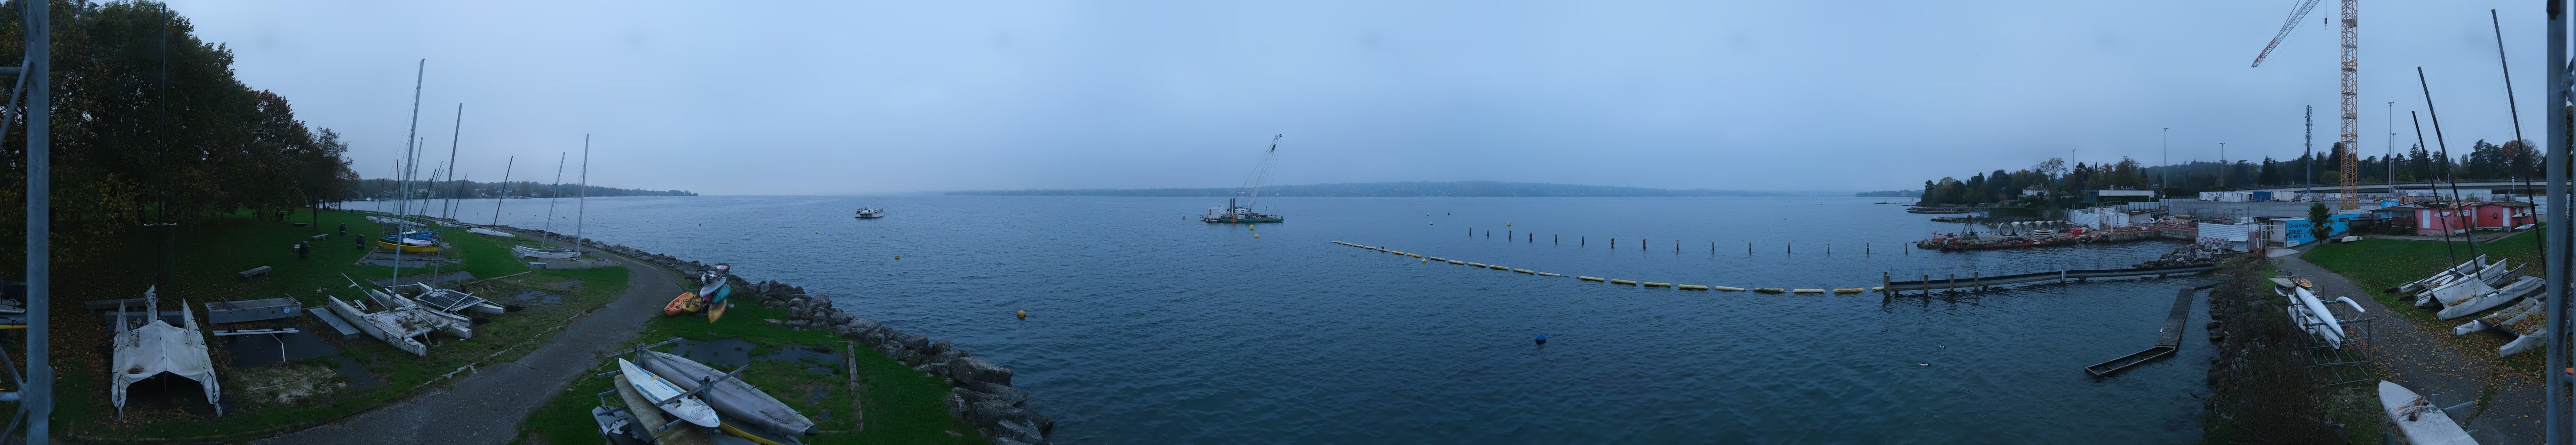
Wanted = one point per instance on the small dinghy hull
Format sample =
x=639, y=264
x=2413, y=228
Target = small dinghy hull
x=2421, y=423
x=662, y=391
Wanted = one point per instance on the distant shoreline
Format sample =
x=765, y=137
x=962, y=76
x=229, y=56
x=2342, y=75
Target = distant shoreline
x=1459, y=189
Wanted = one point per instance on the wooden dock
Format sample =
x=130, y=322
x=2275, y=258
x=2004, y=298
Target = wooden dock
x=2168, y=339
x=1954, y=282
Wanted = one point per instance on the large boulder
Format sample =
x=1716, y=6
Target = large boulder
x=957, y=402
x=943, y=358
x=1019, y=428
x=873, y=337
x=940, y=347
x=916, y=342
x=1046, y=425
x=987, y=414
x=837, y=317
x=969, y=371
x=1005, y=394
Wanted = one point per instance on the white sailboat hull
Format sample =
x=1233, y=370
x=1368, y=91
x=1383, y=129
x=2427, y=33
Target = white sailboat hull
x=543, y=252
x=660, y=390
x=2420, y=426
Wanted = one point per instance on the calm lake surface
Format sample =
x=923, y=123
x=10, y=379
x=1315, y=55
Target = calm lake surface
x=1147, y=326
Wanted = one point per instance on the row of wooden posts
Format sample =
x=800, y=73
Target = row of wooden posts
x=1532, y=237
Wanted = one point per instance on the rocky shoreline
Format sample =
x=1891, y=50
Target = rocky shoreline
x=982, y=395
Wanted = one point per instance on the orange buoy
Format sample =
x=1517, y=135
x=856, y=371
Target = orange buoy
x=1024, y=314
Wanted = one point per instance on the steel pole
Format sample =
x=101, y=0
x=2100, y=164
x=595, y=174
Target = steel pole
x=39, y=400
x=2555, y=253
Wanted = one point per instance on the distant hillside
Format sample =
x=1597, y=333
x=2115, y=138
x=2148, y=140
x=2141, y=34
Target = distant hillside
x=1890, y=194
x=1404, y=189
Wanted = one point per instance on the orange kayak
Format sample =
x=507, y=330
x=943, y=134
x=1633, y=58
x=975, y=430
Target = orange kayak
x=687, y=302
x=716, y=311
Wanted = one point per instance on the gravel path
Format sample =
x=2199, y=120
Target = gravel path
x=486, y=407
x=2415, y=357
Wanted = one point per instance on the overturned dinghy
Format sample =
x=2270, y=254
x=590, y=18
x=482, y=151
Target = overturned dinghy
x=736, y=400
x=157, y=347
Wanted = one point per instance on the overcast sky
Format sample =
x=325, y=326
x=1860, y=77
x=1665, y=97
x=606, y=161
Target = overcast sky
x=882, y=97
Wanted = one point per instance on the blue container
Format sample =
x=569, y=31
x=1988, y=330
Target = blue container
x=2260, y=196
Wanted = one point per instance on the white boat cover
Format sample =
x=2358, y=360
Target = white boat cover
x=158, y=347
x=487, y=231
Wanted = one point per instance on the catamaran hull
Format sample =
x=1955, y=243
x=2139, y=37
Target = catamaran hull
x=485, y=231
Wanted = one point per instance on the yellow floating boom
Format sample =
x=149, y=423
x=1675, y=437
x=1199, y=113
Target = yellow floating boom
x=1692, y=287
x=1584, y=278
x=1849, y=290
x=1457, y=262
x=1770, y=290
x=1655, y=284
x=1727, y=288
x=1626, y=282
x=1807, y=291
x=1526, y=271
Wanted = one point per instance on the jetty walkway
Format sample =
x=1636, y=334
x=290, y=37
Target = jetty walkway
x=1978, y=282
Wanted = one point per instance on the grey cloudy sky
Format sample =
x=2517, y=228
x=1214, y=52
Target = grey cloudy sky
x=880, y=97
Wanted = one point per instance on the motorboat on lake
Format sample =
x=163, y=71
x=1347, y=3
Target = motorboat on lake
x=871, y=213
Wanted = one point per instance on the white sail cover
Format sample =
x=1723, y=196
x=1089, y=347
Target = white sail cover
x=158, y=347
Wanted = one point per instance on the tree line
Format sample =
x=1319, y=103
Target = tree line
x=2483, y=161
x=391, y=189
x=149, y=126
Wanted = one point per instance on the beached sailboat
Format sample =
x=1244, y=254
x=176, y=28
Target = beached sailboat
x=541, y=250
x=2521, y=287
x=2508, y=316
x=156, y=347
x=731, y=397
x=2418, y=419
x=487, y=229
x=668, y=396
x=2444, y=276
x=2464, y=287
x=404, y=328
x=413, y=241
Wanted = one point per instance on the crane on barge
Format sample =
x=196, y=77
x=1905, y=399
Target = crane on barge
x=1242, y=212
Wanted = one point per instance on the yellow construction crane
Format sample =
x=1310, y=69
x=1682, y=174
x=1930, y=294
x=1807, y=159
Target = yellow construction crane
x=2350, y=139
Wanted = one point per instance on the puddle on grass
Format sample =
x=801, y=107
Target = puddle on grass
x=262, y=350
x=726, y=354
x=356, y=375
x=439, y=281
x=538, y=297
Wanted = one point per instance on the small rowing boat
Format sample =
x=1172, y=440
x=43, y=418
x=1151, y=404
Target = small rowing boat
x=667, y=395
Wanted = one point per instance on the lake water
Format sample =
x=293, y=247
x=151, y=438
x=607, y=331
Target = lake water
x=1147, y=326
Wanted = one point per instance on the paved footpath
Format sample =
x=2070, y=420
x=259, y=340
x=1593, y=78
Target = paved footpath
x=486, y=406
x=2415, y=357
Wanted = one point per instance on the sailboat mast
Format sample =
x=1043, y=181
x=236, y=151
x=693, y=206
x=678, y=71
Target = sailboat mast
x=582, y=204
x=505, y=189
x=554, y=192
x=412, y=154
x=449, y=209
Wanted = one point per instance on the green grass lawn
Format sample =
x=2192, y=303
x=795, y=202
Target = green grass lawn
x=901, y=406
x=2378, y=264
x=209, y=253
